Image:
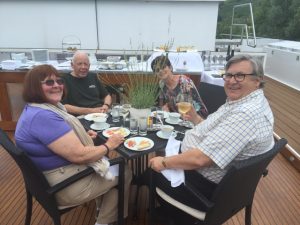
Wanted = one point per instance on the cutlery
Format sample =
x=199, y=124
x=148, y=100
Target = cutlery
x=180, y=132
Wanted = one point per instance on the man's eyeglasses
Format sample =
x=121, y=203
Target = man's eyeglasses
x=239, y=77
x=51, y=82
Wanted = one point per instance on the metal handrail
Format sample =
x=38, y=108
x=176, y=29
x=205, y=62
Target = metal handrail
x=243, y=25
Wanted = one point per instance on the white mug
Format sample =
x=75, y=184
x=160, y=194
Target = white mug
x=167, y=130
x=100, y=121
x=174, y=117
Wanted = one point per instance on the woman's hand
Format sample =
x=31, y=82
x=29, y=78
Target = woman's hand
x=92, y=134
x=165, y=108
x=114, y=141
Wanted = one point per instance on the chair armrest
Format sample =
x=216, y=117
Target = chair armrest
x=67, y=182
x=206, y=202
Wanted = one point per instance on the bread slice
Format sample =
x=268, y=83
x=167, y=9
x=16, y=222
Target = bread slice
x=143, y=144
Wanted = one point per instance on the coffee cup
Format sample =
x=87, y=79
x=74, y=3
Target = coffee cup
x=166, y=130
x=174, y=117
x=100, y=122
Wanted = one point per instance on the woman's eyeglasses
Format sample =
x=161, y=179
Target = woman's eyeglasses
x=51, y=82
x=239, y=77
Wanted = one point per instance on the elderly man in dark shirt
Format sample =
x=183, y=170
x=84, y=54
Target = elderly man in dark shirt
x=85, y=93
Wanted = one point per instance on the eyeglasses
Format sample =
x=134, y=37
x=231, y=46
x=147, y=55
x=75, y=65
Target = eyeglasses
x=158, y=69
x=239, y=77
x=51, y=82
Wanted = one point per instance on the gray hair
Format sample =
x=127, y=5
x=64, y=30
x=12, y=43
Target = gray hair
x=78, y=54
x=257, y=67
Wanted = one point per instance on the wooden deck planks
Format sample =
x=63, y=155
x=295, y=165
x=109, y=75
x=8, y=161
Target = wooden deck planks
x=285, y=103
x=277, y=199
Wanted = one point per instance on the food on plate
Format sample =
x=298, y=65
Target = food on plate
x=131, y=143
x=143, y=144
x=118, y=130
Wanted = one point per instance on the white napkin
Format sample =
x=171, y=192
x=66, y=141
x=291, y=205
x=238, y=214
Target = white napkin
x=103, y=168
x=175, y=176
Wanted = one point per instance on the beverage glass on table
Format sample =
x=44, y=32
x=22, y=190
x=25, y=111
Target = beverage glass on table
x=133, y=126
x=184, y=104
x=143, y=126
x=115, y=113
x=125, y=114
x=159, y=115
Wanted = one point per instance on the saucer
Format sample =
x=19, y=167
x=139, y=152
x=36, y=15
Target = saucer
x=100, y=128
x=160, y=135
x=171, y=122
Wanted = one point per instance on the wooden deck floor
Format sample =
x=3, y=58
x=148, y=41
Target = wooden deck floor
x=277, y=199
x=285, y=104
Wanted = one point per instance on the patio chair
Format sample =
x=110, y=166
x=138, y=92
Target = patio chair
x=212, y=95
x=38, y=187
x=234, y=192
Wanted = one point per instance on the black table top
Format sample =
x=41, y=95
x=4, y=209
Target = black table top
x=159, y=143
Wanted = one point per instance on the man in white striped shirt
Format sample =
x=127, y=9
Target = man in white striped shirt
x=239, y=129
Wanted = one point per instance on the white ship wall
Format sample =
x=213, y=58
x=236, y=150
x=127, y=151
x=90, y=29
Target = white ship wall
x=283, y=62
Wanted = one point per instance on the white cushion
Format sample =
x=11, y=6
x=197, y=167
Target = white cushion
x=189, y=210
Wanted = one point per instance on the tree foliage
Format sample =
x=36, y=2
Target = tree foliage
x=272, y=18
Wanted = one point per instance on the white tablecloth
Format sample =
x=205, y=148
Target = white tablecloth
x=207, y=77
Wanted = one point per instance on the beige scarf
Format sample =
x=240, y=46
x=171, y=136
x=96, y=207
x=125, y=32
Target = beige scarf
x=102, y=165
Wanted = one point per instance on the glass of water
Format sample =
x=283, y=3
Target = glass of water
x=143, y=126
x=115, y=113
x=133, y=126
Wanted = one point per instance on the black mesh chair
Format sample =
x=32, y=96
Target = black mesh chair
x=38, y=187
x=234, y=192
x=212, y=95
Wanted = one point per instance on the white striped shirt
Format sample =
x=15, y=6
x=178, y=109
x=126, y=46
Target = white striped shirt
x=238, y=130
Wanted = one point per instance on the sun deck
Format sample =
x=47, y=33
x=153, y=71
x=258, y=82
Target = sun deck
x=277, y=199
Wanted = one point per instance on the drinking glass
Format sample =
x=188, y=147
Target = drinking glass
x=159, y=116
x=115, y=113
x=143, y=126
x=184, y=104
x=125, y=113
x=133, y=126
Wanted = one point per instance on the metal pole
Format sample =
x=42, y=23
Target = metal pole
x=97, y=30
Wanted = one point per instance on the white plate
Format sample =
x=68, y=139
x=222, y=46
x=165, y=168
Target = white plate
x=137, y=141
x=166, y=114
x=98, y=128
x=171, y=122
x=116, y=130
x=91, y=116
x=160, y=135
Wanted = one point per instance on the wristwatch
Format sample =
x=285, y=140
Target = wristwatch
x=107, y=105
x=163, y=162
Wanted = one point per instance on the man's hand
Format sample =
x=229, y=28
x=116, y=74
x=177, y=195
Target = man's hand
x=156, y=163
x=192, y=116
x=104, y=108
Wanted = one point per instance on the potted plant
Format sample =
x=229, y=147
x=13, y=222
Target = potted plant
x=141, y=92
x=138, y=88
